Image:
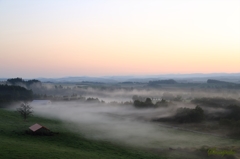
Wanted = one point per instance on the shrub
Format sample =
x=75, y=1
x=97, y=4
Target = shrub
x=187, y=115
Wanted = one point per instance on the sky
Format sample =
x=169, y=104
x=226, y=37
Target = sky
x=58, y=38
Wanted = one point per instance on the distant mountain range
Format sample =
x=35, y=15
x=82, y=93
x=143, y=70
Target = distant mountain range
x=197, y=77
x=228, y=77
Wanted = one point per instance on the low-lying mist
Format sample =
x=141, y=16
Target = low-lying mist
x=118, y=93
x=127, y=125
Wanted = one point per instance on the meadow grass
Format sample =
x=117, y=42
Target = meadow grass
x=15, y=143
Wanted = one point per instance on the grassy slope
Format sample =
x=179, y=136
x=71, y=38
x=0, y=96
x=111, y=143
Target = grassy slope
x=14, y=143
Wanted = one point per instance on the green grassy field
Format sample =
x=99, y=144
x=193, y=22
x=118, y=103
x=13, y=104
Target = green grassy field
x=16, y=144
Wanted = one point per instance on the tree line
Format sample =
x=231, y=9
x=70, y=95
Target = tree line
x=11, y=93
x=16, y=81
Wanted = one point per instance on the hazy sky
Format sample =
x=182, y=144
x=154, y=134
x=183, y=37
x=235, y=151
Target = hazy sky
x=55, y=38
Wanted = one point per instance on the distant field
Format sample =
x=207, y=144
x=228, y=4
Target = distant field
x=16, y=144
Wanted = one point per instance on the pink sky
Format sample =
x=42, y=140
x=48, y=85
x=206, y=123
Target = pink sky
x=69, y=38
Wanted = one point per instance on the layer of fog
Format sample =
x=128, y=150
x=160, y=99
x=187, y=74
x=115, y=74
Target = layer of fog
x=120, y=94
x=126, y=125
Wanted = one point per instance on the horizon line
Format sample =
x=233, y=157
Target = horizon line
x=102, y=76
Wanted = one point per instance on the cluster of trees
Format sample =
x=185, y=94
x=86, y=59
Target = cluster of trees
x=112, y=103
x=211, y=81
x=231, y=117
x=170, y=81
x=146, y=104
x=17, y=81
x=215, y=102
x=58, y=87
x=162, y=103
x=14, y=93
x=149, y=104
x=187, y=115
x=94, y=100
x=166, y=97
x=223, y=84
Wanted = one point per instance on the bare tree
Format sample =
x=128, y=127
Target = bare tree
x=25, y=110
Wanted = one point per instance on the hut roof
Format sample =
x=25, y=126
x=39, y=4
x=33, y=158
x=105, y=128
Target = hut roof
x=36, y=127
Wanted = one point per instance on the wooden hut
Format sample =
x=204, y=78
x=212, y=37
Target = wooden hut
x=39, y=130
